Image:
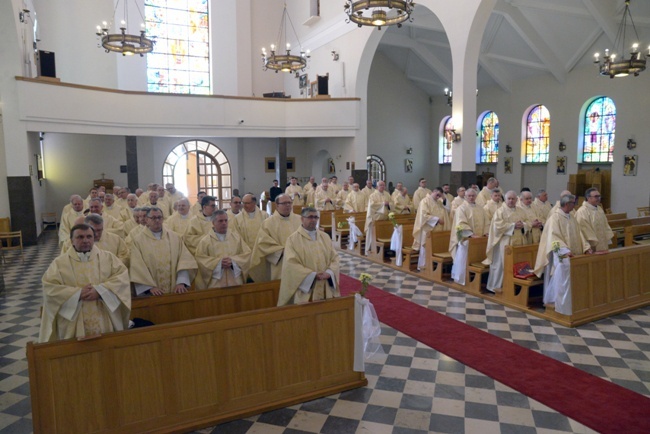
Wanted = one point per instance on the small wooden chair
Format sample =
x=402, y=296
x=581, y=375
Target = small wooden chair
x=49, y=219
x=7, y=241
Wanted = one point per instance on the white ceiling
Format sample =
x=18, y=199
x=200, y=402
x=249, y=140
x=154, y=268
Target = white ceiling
x=523, y=38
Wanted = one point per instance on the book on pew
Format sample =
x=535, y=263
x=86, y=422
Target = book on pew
x=523, y=270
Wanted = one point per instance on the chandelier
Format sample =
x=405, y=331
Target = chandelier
x=123, y=42
x=379, y=13
x=610, y=65
x=286, y=62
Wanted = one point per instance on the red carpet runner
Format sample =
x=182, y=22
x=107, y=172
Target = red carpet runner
x=592, y=401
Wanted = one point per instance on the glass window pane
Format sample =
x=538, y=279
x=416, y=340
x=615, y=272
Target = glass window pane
x=489, y=151
x=599, y=131
x=538, y=135
x=447, y=141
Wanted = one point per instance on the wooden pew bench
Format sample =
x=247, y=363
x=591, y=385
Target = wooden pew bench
x=618, y=227
x=476, y=272
x=204, y=303
x=438, y=265
x=637, y=235
x=340, y=234
x=516, y=290
x=383, y=233
x=409, y=256
x=606, y=285
x=618, y=216
x=181, y=376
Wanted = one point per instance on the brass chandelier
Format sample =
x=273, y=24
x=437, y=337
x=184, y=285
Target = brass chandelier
x=610, y=65
x=379, y=13
x=123, y=42
x=286, y=62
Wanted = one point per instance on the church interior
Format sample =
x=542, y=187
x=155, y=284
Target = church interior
x=392, y=96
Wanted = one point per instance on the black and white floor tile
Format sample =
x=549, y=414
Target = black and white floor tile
x=412, y=388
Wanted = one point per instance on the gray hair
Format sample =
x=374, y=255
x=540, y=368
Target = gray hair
x=95, y=219
x=306, y=210
x=510, y=193
x=153, y=209
x=95, y=199
x=280, y=196
x=220, y=212
x=471, y=189
x=540, y=192
x=567, y=198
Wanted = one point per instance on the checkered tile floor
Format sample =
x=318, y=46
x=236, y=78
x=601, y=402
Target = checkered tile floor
x=412, y=388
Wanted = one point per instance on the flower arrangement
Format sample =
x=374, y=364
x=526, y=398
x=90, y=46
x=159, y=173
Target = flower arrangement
x=459, y=233
x=365, y=280
x=311, y=205
x=556, y=249
x=391, y=217
x=341, y=224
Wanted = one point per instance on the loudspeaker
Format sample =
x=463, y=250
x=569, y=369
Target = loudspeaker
x=323, y=84
x=46, y=65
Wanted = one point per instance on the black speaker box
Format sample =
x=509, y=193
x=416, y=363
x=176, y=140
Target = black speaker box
x=46, y=65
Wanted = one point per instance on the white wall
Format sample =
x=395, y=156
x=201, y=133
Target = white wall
x=399, y=118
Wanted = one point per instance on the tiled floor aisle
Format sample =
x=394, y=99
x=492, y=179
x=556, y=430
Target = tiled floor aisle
x=412, y=389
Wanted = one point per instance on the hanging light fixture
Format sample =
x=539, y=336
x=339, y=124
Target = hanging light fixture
x=123, y=42
x=285, y=62
x=610, y=65
x=379, y=13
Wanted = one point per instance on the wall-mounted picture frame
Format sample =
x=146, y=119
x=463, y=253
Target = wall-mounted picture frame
x=313, y=90
x=630, y=165
x=269, y=164
x=303, y=81
x=507, y=168
x=561, y=166
x=408, y=165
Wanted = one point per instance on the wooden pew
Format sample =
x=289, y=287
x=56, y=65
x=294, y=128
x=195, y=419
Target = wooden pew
x=204, y=303
x=516, y=291
x=409, y=256
x=182, y=376
x=606, y=285
x=618, y=227
x=637, y=235
x=439, y=258
x=340, y=235
x=619, y=216
x=475, y=269
x=383, y=232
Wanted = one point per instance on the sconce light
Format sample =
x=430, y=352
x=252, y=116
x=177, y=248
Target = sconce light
x=562, y=146
x=631, y=144
x=409, y=151
x=453, y=136
x=450, y=98
x=508, y=148
x=335, y=56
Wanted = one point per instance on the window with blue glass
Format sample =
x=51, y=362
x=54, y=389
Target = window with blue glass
x=538, y=130
x=600, y=129
x=447, y=141
x=489, y=152
x=180, y=61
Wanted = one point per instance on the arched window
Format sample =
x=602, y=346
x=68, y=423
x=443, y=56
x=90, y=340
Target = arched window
x=180, y=61
x=195, y=166
x=448, y=131
x=600, y=128
x=489, y=152
x=376, y=168
x=538, y=131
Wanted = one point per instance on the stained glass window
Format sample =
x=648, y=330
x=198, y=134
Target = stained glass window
x=376, y=168
x=489, y=138
x=538, y=129
x=600, y=128
x=180, y=61
x=447, y=141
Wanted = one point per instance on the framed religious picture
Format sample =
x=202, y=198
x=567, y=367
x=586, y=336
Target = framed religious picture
x=313, y=92
x=630, y=163
x=303, y=81
x=269, y=164
x=408, y=165
x=561, y=166
x=508, y=165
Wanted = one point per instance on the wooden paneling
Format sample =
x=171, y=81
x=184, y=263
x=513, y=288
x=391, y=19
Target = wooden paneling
x=180, y=376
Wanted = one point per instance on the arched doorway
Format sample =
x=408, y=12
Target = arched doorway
x=197, y=165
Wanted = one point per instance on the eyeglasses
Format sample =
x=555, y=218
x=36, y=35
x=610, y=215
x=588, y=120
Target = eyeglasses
x=311, y=217
x=236, y=203
x=595, y=195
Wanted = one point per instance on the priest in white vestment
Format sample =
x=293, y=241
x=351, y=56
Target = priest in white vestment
x=458, y=201
x=324, y=198
x=268, y=253
x=200, y=225
x=311, y=265
x=486, y=193
x=342, y=195
x=496, y=200
x=403, y=203
x=469, y=221
x=508, y=228
x=431, y=216
x=561, y=239
x=249, y=221
x=110, y=223
x=68, y=217
x=536, y=225
x=593, y=222
x=379, y=205
x=295, y=192
x=222, y=255
x=180, y=219
x=86, y=291
x=421, y=192
x=541, y=205
x=160, y=262
x=368, y=189
x=356, y=201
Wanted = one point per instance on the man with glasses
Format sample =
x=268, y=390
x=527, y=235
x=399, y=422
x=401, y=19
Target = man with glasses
x=311, y=265
x=248, y=222
x=160, y=262
x=593, y=222
x=268, y=252
x=200, y=225
x=235, y=207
